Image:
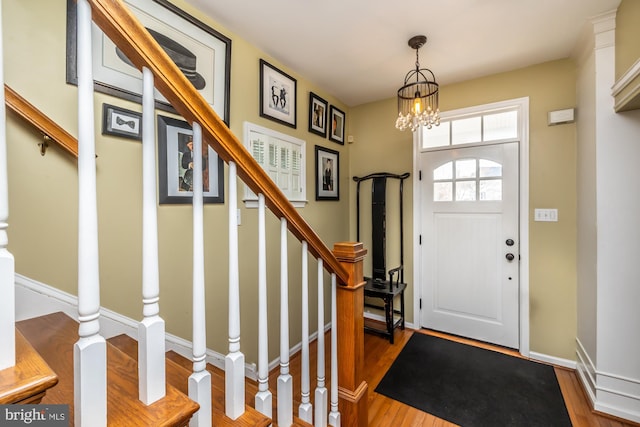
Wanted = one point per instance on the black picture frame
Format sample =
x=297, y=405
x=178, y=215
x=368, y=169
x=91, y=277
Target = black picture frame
x=278, y=95
x=327, y=174
x=211, y=52
x=337, y=119
x=173, y=135
x=318, y=113
x=118, y=121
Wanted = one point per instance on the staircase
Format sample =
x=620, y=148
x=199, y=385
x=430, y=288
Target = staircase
x=125, y=382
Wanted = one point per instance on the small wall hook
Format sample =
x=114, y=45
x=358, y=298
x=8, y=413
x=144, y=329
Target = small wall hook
x=44, y=144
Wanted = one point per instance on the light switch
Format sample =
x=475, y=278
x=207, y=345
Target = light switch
x=546, y=215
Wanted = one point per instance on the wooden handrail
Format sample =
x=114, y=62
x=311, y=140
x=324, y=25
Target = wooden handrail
x=122, y=27
x=37, y=118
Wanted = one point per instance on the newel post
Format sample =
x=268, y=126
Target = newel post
x=352, y=388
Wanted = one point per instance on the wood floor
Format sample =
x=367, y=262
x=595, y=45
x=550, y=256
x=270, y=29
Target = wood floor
x=385, y=412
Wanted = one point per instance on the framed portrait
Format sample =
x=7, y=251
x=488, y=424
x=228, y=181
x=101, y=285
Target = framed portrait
x=201, y=53
x=327, y=174
x=277, y=95
x=317, y=115
x=336, y=118
x=120, y=122
x=175, y=165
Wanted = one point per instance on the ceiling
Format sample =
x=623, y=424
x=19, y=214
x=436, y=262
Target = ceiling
x=357, y=51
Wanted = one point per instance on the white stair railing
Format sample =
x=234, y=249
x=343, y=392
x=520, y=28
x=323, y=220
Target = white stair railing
x=89, y=353
x=7, y=263
x=285, y=381
x=200, y=379
x=234, y=361
x=322, y=397
x=334, y=415
x=151, y=330
x=264, y=399
x=305, y=411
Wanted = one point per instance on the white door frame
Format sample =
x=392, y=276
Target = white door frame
x=523, y=106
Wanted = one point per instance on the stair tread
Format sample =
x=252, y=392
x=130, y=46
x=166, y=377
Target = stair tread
x=29, y=379
x=178, y=370
x=123, y=405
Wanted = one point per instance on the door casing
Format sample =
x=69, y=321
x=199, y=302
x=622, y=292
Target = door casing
x=523, y=106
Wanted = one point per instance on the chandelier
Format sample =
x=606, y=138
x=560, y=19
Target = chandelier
x=418, y=96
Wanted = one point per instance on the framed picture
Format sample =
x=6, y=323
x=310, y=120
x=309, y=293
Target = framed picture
x=327, y=174
x=120, y=122
x=336, y=118
x=175, y=163
x=317, y=115
x=277, y=95
x=203, y=54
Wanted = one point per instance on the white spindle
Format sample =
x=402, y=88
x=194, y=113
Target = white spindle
x=151, y=335
x=89, y=353
x=305, y=411
x=7, y=264
x=234, y=361
x=264, y=398
x=285, y=381
x=200, y=379
x=322, y=396
x=334, y=415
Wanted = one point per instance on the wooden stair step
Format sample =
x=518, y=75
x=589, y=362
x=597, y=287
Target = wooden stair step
x=28, y=381
x=178, y=370
x=54, y=336
x=251, y=387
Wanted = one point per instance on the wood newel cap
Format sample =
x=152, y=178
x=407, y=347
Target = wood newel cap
x=350, y=252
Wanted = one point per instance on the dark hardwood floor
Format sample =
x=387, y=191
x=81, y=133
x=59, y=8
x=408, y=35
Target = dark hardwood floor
x=385, y=412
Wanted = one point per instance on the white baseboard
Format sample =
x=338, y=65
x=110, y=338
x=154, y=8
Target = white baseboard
x=380, y=318
x=608, y=393
x=35, y=299
x=552, y=360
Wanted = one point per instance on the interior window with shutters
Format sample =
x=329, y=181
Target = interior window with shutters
x=283, y=157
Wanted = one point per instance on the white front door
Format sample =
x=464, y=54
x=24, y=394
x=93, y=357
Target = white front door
x=469, y=252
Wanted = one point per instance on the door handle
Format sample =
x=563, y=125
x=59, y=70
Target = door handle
x=509, y=242
x=510, y=256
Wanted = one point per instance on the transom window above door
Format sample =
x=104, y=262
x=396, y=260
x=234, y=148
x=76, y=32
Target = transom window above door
x=485, y=127
x=468, y=180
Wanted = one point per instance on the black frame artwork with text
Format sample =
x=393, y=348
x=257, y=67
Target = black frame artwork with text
x=337, y=119
x=318, y=115
x=327, y=174
x=202, y=54
x=277, y=95
x=173, y=168
x=118, y=121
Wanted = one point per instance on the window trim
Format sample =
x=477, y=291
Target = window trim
x=250, y=199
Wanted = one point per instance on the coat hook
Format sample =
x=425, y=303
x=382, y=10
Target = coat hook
x=44, y=144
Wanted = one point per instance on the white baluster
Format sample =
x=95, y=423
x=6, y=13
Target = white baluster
x=89, y=353
x=151, y=330
x=334, y=415
x=200, y=379
x=285, y=381
x=322, y=395
x=264, y=398
x=305, y=411
x=234, y=361
x=7, y=263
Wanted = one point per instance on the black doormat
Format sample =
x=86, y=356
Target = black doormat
x=474, y=387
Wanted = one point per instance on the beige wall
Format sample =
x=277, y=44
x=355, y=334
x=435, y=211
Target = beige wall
x=43, y=193
x=379, y=146
x=627, y=36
